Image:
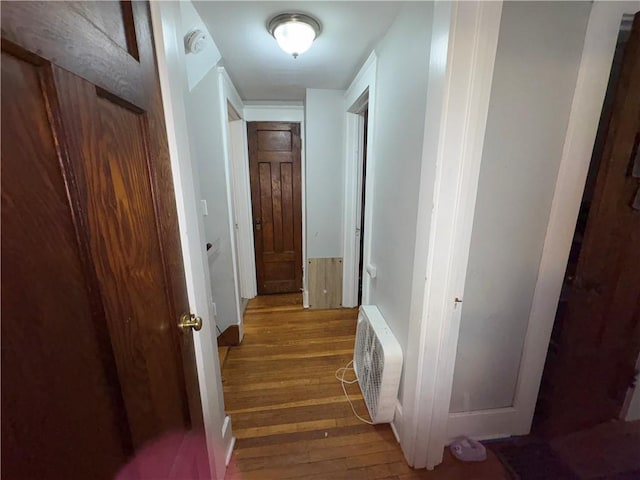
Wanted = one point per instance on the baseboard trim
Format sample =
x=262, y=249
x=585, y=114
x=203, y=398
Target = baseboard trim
x=396, y=424
x=243, y=304
x=305, y=298
x=486, y=424
x=231, y=337
x=228, y=438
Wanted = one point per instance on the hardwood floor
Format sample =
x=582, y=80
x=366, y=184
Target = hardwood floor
x=289, y=413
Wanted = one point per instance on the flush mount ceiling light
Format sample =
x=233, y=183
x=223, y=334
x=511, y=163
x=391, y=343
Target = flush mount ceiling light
x=294, y=32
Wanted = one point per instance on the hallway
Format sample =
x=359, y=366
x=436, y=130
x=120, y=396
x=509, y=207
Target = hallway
x=289, y=413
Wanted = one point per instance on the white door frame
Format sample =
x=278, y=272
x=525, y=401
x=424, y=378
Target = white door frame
x=434, y=343
x=228, y=95
x=240, y=188
x=172, y=73
x=591, y=85
x=242, y=207
x=463, y=49
x=361, y=92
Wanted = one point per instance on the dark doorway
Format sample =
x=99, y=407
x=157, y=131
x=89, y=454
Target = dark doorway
x=596, y=337
x=365, y=115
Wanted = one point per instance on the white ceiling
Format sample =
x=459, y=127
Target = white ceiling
x=261, y=71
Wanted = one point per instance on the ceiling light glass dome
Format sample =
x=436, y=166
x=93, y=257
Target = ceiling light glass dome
x=294, y=32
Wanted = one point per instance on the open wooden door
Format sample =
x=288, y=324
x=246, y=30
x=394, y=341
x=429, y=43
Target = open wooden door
x=274, y=167
x=94, y=364
x=601, y=332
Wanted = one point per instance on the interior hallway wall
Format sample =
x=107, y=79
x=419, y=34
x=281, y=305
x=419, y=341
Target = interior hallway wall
x=401, y=91
x=539, y=52
x=324, y=113
x=197, y=64
x=206, y=132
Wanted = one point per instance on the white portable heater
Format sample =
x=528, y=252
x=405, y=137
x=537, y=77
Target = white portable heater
x=377, y=361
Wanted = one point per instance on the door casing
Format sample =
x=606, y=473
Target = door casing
x=361, y=93
x=166, y=20
x=591, y=85
x=459, y=86
x=231, y=105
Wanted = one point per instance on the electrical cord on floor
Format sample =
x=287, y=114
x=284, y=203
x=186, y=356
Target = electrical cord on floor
x=342, y=381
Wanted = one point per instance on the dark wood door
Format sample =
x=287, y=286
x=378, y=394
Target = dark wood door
x=93, y=363
x=601, y=334
x=274, y=166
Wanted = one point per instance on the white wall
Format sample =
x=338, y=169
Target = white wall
x=539, y=51
x=204, y=114
x=197, y=64
x=401, y=92
x=324, y=113
x=206, y=133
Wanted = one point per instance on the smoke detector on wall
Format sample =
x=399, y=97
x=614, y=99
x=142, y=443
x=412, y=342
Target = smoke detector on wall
x=195, y=41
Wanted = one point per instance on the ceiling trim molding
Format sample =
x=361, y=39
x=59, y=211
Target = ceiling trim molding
x=273, y=113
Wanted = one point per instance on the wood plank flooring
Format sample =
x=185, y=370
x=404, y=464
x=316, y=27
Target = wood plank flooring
x=289, y=414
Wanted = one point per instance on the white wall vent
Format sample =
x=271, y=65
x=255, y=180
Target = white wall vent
x=377, y=361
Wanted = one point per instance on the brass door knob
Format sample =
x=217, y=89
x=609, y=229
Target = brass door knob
x=188, y=320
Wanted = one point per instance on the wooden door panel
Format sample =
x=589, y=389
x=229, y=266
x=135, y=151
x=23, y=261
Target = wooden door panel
x=54, y=400
x=276, y=207
x=63, y=33
x=287, y=212
x=274, y=157
x=114, y=19
x=110, y=160
x=266, y=208
x=105, y=113
x=279, y=271
x=274, y=141
x=274, y=165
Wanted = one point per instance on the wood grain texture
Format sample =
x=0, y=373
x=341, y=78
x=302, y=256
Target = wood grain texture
x=164, y=199
x=289, y=413
x=102, y=98
x=110, y=162
x=58, y=371
x=65, y=34
x=325, y=282
x=601, y=333
x=274, y=168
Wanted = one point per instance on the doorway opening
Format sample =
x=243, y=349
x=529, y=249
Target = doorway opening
x=235, y=125
x=359, y=121
x=240, y=200
x=593, y=349
x=362, y=187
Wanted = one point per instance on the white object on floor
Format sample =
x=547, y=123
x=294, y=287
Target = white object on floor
x=468, y=450
x=377, y=361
